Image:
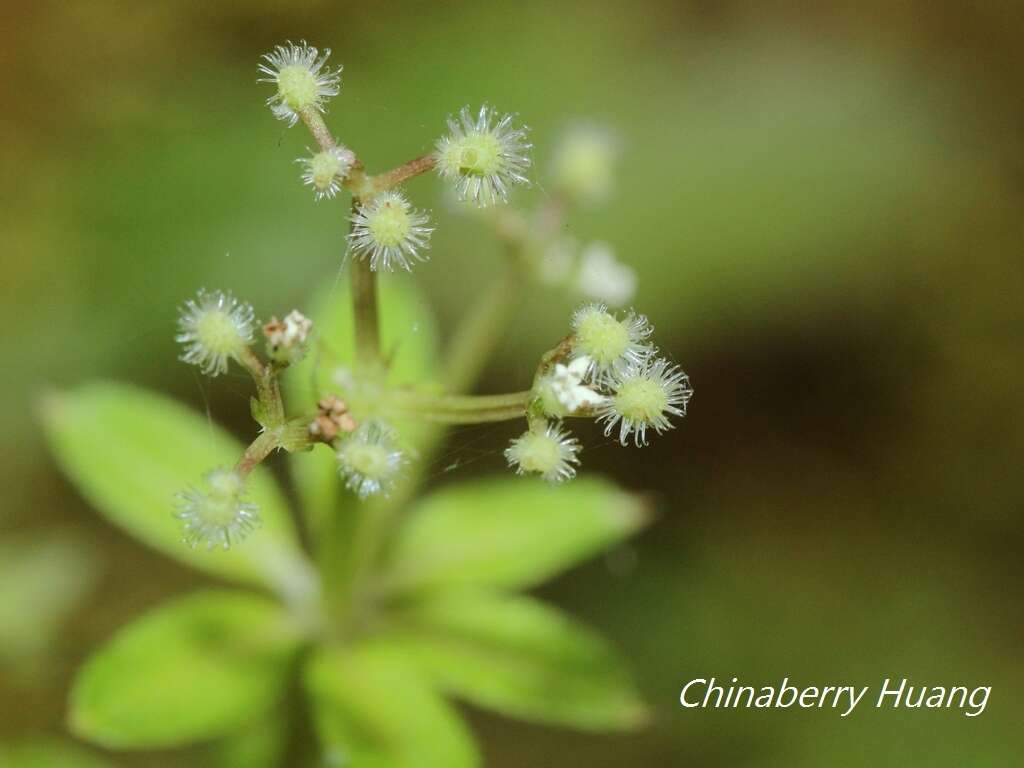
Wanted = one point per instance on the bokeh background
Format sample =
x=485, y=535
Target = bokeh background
x=823, y=203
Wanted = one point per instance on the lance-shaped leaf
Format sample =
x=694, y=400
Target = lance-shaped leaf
x=49, y=754
x=260, y=744
x=372, y=710
x=193, y=669
x=408, y=343
x=130, y=451
x=520, y=657
x=508, y=533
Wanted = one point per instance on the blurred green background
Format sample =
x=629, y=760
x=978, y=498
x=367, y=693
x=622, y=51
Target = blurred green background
x=823, y=206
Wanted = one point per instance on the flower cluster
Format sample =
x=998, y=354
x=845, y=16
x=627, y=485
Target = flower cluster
x=482, y=156
x=611, y=372
x=215, y=329
x=373, y=566
x=607, y=369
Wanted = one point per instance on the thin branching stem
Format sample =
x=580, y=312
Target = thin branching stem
x=364, y=307
x=291, y=435
x=268, y=388
x=408, y=400
x=404, y=172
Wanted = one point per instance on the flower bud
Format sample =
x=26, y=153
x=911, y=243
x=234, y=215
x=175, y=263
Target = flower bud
x=218, y=516
x=550, y=453
x=214, y=327
x=602, y=278
x=584, y=164
x=301, y=80
x=482, y=159
x=369, y=460
x=645, y=396
x=286, y=339
x=325, y=171
x=610, y=343
x=390, y=232
x=332, y=418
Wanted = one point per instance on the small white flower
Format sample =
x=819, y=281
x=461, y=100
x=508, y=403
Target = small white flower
x=610, y=343
x=390, y=232
x=584, y=163
x=603, y=278
x=325, y=171
x=483, y=160
x=645, y=395
x=563, y=391
x=214, y=327
x=301, y=80
x=218, y=516
x=550, y=454
x=369, y=460
x=291, y=332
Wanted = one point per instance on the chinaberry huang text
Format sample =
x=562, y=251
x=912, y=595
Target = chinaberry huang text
x=709, y=693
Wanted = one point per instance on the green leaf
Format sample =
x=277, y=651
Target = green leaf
x=43, y=577
x=519, y=657
x=198, y=667
x=373, y=710
x=408, y=340
x=258, y=745
x=130, y=451
x=48, y=754
x=508, y=533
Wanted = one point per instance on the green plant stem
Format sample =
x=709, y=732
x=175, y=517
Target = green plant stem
x=480, y=332
x=257, y=451
x=292, y=435
x=358, y=182
x=401, y=174
x=458, y=409
x=315, y=122
x=268, y=388
x=468, y=417
x=482, y=329
x=337, y=556
x=408, y=400
x=364, y=307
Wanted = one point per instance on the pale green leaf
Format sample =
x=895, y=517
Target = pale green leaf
x=319, y=487
x=409, y=344
x=508, y=533
x=519, y=657
x=259, y=744
x=42, y=579
x=373, y=710
x=198, y=667
x=49, y=754
x=130, y=451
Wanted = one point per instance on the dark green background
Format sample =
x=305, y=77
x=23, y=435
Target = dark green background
x=824, y=209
